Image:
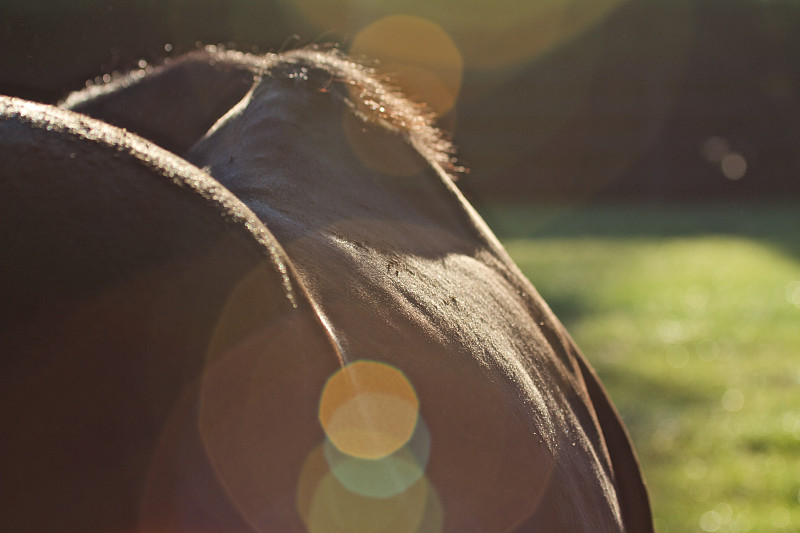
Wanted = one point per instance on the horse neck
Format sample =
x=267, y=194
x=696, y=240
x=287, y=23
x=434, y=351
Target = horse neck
x=298, y=155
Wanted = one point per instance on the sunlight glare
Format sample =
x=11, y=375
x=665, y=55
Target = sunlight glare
x=368, y=409
x=326, y=505
x=491, y=36
x=419, y=56
x=732, y=400
x=734, y=166
x=385, y=477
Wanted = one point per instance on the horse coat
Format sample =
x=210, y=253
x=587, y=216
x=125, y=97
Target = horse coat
x=173, y=321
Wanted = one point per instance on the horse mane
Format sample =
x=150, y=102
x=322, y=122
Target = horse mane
x=370, y=95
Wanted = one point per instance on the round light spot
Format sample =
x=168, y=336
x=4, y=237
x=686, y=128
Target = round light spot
x=433, y=517
x=671, y=331
x=734, y=166
x=781, y=517
x=368, y=410
x=710, y=521
x=696, y=469
x=385, y=477
x=491, y=36
x=371, y=425
x=677, y=356
x=793, y=293
x=733, y=400
x=419, y=56
x=725, y=512
x=791, y=421
x=714, y=149
x=325, y=505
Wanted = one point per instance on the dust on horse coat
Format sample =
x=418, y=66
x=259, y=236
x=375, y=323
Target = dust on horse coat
x=199, y=339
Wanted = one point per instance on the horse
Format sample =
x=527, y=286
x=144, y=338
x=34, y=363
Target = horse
x=292, y=321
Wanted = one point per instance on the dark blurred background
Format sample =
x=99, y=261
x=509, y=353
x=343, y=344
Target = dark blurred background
x=581, y=99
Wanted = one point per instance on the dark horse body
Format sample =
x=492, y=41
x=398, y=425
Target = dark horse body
x=169, y=323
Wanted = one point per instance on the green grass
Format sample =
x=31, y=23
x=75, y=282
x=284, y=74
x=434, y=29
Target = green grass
x=691, y=316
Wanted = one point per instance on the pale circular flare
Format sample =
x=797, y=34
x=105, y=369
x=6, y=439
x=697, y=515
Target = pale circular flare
x=491, y=36
x=386, y=477
x=368, y=410
x=419, y=56
x=326, y=505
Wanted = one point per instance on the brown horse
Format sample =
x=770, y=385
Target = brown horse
x=339, y=343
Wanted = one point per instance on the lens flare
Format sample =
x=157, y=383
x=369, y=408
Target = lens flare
x=326, y=505
x=491, y=36
x=368, y=410
x=369, y=474
x=346, y=511
x=734, y=166
x=256, y=410
x=418, y=54
x=386, y=477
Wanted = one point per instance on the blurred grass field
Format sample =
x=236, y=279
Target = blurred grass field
x=691, y=316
